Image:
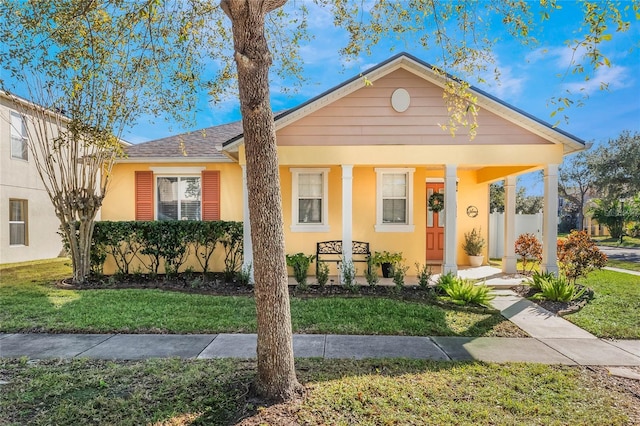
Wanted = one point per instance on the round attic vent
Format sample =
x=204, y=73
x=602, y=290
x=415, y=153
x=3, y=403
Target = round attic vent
x=400, y=100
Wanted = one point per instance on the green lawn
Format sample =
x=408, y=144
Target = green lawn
x=623, y=264
x=614, y=242
x=30, y=303
x=339, y=392
x=613, y=312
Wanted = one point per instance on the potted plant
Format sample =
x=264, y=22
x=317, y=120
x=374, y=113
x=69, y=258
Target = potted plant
x=473, y=245
x=386, y=260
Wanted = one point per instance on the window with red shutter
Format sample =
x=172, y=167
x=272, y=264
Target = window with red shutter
x=211, y=195
x=144, y=195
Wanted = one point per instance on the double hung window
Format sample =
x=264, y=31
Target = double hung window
x=19, y=141
x=18, y=223
x=309, y=200
x=394, y=204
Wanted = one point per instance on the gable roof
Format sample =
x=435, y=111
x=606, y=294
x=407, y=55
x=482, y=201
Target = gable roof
x=199, y=145
x=423, y=69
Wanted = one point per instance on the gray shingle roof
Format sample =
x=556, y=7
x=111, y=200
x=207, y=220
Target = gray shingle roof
x=196, y=144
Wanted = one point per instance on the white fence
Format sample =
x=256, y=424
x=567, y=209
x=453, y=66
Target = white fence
x=525, y=223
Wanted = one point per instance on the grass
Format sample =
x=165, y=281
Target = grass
x=30, y=303
x=613, y=312
x=615, y=242
x=340, y=392
x=624, y=264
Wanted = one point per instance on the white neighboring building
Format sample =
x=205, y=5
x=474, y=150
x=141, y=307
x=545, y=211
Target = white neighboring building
x=28, y=224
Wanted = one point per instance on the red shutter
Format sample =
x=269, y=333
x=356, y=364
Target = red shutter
x=144, y=195
x=211, y=195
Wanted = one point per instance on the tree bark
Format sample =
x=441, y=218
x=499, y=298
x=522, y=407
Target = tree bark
x=276, y=378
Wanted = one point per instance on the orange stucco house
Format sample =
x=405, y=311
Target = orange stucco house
x=359, y=162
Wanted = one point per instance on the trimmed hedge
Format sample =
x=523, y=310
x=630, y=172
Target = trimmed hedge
x=168, y=243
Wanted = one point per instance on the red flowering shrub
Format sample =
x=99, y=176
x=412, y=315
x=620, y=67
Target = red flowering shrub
x=578, y=255
x=529, y=248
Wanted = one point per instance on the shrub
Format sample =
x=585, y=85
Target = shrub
x=399, y=272
x=538, y=278
x=445, y=280
x=156, y=243
x=205, y=237
x=300, y=263
x=348, y=275
x=322, y=275
x=244, y=275
x=528, y=247
x=463, y=291
x=559, y=289
x=424, y=275
x=232, y=239
x=578, y=255
x=372, y=273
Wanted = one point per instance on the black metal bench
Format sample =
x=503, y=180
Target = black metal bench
x=331, y=251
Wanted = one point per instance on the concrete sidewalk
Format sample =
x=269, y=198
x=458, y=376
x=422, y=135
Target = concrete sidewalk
x=570, y=351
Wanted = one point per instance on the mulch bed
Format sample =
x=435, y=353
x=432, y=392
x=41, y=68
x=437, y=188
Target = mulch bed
x=214, y=284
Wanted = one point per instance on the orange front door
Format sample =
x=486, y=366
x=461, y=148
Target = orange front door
x=435, y=226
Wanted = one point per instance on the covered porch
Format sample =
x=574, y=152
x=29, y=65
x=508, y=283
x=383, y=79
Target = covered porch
x=350, y=206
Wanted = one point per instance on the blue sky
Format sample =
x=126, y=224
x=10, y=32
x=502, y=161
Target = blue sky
x=530, y=77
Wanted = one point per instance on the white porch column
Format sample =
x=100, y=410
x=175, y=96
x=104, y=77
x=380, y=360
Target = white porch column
x=550, y=219
x=450, y=219
x=347, y=210
x=247, y=245
x=509, y=261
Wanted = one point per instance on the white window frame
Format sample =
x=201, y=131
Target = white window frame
x=296, y=226
x=24, y=222
x=408, y=226
x=174, y=172
x=21, y=133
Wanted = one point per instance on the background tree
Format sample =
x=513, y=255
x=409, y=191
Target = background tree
x=615, y=170
x=575, y=182
x=525, y=204
x=91, y=68
x=615, y=166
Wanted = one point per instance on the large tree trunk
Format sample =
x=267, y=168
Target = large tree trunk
x=276, y=371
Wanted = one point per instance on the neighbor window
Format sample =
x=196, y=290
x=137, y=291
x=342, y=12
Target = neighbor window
x=394, y=204
x=309, y=200
x=19, y=145
x=179, y=197
x=18, y=223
